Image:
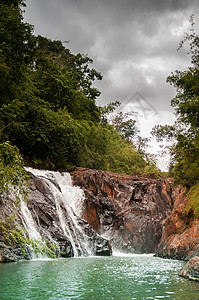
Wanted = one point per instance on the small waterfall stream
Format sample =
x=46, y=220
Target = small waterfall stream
x=67, y=202
x=29, y=223
x=32, y=231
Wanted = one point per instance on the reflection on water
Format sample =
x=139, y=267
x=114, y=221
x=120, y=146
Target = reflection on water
x=117, y=277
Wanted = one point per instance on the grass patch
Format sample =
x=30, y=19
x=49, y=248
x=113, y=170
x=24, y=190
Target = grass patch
x=193, y=202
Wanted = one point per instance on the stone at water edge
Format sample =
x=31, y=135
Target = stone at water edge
x=191, y=269
x=103, y=249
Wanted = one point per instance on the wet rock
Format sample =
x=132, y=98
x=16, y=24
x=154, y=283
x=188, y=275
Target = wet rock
x=65, y=249
x=6, y=254
x=9, y=253
x=137, y=215
x=45, y=215
x=103, y=248
x=191, y=269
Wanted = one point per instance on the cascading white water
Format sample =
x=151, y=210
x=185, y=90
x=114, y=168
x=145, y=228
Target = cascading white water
x=29, y=223
x=65, y=195
x=32, y=231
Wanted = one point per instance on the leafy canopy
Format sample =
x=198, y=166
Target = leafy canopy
x=48, y=104
x=185, y=132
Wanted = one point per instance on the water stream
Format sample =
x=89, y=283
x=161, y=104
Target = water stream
x=31, y=230
x=68, y=201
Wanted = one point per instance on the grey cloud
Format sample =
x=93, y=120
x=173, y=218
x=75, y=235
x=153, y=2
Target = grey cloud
x=133, y=42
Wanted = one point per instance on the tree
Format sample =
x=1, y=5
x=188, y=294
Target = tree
x=16, y=50
x=125, y=125
x=185, y=132
x=48, y=104
x=45, y=89
x=65, y=80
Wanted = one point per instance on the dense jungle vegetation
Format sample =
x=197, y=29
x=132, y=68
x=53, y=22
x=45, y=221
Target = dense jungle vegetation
x=184, y=134
x=48, y=105
x=48, y=108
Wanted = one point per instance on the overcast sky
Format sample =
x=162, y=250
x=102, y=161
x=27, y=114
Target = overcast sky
x=133, y=44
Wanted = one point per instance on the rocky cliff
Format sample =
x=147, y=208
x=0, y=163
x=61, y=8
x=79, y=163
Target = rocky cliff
x=129, y=211
x=180, y=238
x=137, y=215
x=50, y=217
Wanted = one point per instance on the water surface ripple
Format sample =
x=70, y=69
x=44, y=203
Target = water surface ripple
x=117, y=277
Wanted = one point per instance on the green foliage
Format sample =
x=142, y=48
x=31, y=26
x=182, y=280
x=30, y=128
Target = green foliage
x=48, y=114
x=193, y=201
x=14, y=235
x=64, y=80
x=13, y=180
x=107, y=109
x=16, y=50
x=48, y=108
x=43, y=247
x=12, y=173
x=108, y=150
x=125, y=125
x=184, y=135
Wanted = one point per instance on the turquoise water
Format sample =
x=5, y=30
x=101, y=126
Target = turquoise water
x=128, y=277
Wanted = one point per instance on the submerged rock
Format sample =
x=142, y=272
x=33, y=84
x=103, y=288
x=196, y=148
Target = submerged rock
x=191, y=269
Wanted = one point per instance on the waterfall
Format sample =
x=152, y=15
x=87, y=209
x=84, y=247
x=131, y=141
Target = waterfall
x=29, y=223
x=68, y=201
x=32, y=231
x=51, y=219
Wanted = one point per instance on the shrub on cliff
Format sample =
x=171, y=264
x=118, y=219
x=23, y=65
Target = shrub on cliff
x=12, y=173
x=192, y=206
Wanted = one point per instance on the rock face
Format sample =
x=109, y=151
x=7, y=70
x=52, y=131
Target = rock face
x=180, y=238
x=137, y=215
x=8, y=252
x=127, y=210
x=48, y=218
x=191, y=269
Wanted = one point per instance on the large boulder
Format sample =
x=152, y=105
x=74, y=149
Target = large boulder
x=191, y=269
